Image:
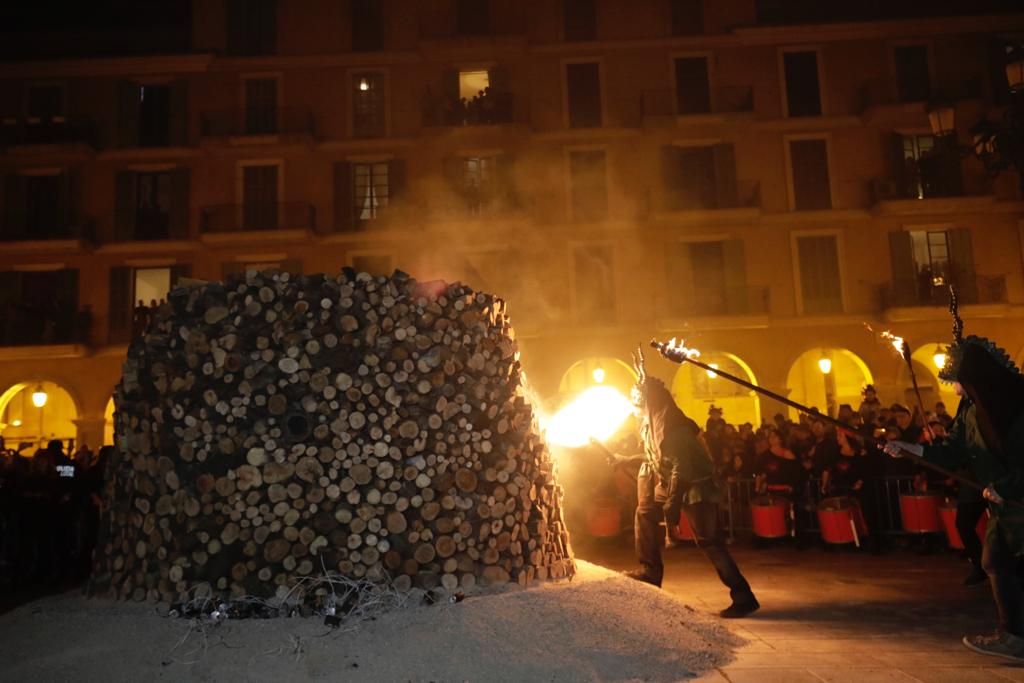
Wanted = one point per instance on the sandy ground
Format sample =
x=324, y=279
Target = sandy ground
x=599, y=627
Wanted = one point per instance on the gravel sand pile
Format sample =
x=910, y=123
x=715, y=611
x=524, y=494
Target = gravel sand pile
x=598, y=627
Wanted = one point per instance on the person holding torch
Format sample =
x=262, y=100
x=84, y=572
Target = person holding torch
x=676, y=475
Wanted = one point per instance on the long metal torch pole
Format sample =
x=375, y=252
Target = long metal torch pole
x=667, y=352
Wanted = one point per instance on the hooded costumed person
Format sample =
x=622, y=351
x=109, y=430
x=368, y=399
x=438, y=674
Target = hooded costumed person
x=987, y=440
x=676, y=476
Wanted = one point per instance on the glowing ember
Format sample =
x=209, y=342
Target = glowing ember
x=597, y=413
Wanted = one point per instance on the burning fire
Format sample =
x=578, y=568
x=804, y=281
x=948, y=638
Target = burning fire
x=597, y=413
x=679, y=346
x=897, y=342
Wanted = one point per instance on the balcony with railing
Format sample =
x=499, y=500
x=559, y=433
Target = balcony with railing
x=257, y=122
x=724, y=100
x=971, y=289
x=57, y=130
x=491, y=109
x=24, y=226
x=257, y=217
x=720, y=302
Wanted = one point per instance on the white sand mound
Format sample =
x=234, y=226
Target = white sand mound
x=599, y=627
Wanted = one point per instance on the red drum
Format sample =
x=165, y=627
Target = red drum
x=948, y=513
x=603, y=518
x=920, y=512
x=684, y=531
x=841, y=520
x=770, y=516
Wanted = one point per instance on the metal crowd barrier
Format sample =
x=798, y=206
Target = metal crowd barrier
x=882, y=493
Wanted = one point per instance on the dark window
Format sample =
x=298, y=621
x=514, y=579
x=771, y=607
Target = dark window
x=580, y=19
x=45, y=103
x=707, y=266
x=809, y=161
x=368, y=105
x=913, y=79
x=702, y=177
x=588, y=185
x=693, y=91
x=687, y=17
x=819, y=274
x=583, y=82
x=259, y=197
x=803, y=92
x=43, y=204
x=260, y=106
x=479, y=183
x=472, y=17
x=252, y=27
x=370, y=190
x=153, y=206
x=367, y=25
x=38, y=307
x=594, y=284
x=154, y=115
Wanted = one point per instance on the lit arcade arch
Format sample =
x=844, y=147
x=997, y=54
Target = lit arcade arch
x=825, y=378
x=33, y=412
x=696, y=390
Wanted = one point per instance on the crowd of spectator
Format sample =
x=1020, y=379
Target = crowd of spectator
x=50, y=504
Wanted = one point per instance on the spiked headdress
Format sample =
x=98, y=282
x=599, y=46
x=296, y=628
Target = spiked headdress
x=950, y=371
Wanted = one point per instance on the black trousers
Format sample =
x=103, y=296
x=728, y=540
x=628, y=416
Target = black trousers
x=654, y=505
x=1001, y=566
x=968, y=512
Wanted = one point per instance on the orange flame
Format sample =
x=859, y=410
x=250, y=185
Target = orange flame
x=897, y=342
x=597, y=413
x=680, y=347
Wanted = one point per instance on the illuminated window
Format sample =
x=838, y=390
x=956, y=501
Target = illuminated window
x=368, y=105
x=370, y=189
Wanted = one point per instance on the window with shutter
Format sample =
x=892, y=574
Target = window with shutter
x=693, y=88
x=594, y=284
x=368, y=105
x=44, y=216
x=261, y=106
x=259, y=197
x=367, y=25
x=154, y=115
x=583, y=88
x=820, y=287
x=687, y=17
x=803, y=92
x=153, y=196
x=251, y=27
x=707, y=268
x=678, y=279
x=809, y=167
x=472, y=17
x=913, y=76
x=580, y=19
x=588, y=185
x=370, y=190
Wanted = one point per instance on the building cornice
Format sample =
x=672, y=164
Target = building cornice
x=869, y=30
x=110, y=66
x=339, y=60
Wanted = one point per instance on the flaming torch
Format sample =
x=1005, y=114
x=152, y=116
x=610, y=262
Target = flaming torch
x=903, y=348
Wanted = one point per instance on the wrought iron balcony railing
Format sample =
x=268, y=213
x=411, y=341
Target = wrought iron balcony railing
x=257, y=121
x=721, y=100
x=976, y=289
x=20, y=226
x=257, y=216
x=493, y=108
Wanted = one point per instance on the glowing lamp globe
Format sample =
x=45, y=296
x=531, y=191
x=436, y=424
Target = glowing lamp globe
x=598, y=375
x=825, y=365
x=39, y=397
x=940, y=360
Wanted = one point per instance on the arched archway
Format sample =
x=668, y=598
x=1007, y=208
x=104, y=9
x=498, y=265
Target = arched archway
x=696, y=390
x=588, y=372
x=928, y=359
x=33, y=412
x=809, y=383
x=108, y=423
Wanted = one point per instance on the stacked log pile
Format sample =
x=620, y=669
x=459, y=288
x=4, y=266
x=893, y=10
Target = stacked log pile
x=276, y=426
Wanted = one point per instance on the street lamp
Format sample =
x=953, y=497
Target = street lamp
x=942, y=118
x=711, y=373
x=939, y=359
x=39, y=396
x=825, y=365
x=598, y=375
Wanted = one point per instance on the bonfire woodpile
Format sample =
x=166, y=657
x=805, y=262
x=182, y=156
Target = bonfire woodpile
x=277, y=426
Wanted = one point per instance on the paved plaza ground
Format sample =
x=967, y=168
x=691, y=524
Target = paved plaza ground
x=840, y=615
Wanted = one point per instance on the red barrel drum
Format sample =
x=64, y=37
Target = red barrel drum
x=948, y=513
x=920, y=512
x=838, y=517
x=770, y=516
x=603, y=518
x=684, y=531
